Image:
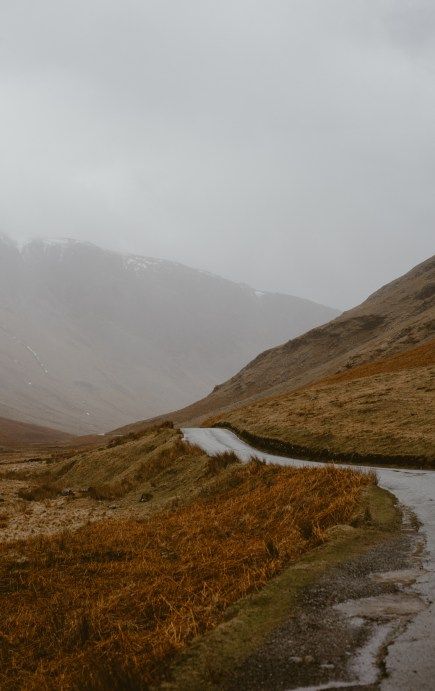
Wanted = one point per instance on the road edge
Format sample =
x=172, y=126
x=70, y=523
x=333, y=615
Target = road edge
x=210, y=659
x=283, y=448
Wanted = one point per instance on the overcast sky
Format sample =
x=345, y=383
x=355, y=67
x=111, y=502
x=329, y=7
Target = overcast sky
x=289, y=144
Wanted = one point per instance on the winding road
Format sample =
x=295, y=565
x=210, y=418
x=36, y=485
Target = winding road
x=410, y=660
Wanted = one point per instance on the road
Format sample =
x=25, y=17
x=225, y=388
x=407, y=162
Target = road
x=410, y=661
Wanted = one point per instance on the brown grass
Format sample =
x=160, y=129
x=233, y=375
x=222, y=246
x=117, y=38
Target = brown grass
x=221, y=461
x=109, y=490
x=39, y=492
x=122, y=439
x=422, y=356
x=385, y=408
x=161, y=461
x=108, y=607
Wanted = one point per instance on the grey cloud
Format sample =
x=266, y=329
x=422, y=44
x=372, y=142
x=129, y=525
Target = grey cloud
x=289, y=145
x=411, y=24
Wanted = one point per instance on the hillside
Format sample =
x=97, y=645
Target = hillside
x=14, y=433
x=92, y=339
x=105, y=595
x=378, y=412
x=395, y=318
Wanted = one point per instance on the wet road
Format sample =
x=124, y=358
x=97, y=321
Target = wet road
x=410, y=661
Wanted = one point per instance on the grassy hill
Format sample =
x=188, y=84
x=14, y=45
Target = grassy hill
x=113, y=603
x=382, y=411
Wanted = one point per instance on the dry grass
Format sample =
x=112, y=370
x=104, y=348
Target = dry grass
x=108, y=606
x=159, y=462
x=39, y=492
x=422, y=356
x=384, y=408
x=109, y=490
x=220, y=461
x=136, y=480
x=120, y=440
x=134, y=455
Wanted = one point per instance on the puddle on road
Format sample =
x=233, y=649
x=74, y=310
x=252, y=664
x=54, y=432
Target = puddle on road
x=388, y=614
x=364, y=669
x=383, y=607
x=405, y=577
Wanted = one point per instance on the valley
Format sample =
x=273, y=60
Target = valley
x=217, y=345
x=175, y=554
x=92, y=339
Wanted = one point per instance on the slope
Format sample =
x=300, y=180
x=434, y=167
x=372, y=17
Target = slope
x=14, y=433
x=110, y=605
x=395, y=318
x=378, y=412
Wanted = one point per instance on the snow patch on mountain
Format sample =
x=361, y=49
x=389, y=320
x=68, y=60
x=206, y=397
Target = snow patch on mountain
x=138, y=263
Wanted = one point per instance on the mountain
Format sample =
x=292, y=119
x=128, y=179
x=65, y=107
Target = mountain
x=91, y=339
x=395, y=318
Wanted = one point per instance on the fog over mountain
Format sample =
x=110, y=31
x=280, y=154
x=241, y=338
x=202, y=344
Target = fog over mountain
x=396, y=318
x=92, y=339
x=285, y=144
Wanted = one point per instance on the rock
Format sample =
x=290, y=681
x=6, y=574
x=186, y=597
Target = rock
x=146, y=496
x=308, y=660
x=67, y=492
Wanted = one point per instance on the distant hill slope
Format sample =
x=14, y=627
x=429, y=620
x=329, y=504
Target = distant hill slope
x=393, y=319
x=14, y=433
x=92, y=339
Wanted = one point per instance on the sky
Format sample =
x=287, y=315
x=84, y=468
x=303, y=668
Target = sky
x=287, y=144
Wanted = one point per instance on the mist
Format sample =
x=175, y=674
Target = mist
x=288, y=145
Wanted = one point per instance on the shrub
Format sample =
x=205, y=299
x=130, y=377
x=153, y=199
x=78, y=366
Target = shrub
x=110, y=490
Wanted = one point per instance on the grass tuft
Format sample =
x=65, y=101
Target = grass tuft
x=40, y=492
x=221, y=461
